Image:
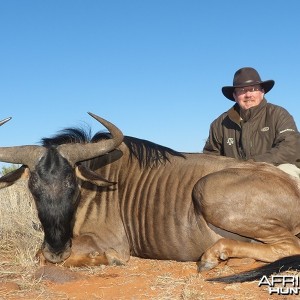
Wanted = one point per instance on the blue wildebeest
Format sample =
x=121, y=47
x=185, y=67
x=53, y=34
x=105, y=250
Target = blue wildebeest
x=105, y=198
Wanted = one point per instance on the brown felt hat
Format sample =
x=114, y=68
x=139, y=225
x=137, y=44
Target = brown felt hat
x=246, y=77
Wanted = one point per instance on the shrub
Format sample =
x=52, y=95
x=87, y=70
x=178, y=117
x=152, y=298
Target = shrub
x=8, y=168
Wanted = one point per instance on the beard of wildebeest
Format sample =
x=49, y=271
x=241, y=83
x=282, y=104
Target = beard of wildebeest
x=55, y=190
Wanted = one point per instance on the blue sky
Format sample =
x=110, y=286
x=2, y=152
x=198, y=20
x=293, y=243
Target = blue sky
x=154, y=68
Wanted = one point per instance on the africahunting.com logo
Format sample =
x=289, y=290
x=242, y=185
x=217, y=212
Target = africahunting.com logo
x=281, y=284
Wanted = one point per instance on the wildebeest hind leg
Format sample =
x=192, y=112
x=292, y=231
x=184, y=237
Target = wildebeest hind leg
x=224, y=249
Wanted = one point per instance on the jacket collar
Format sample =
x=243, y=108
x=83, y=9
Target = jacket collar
x=236, y=114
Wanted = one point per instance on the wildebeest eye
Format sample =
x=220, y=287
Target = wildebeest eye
x=70, y=181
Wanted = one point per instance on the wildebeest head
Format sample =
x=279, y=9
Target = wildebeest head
x=54, y=186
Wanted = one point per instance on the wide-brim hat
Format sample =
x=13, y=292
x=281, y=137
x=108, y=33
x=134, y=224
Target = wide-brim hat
x=246, y=77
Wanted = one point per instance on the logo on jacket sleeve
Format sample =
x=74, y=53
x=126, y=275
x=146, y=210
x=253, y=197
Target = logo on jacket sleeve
x=265, y=129
x=288, y=129
x=230, y=141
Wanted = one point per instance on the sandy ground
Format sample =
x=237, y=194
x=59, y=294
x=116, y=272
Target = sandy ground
x=139, y=279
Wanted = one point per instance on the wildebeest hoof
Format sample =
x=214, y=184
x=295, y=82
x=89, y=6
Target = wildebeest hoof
x=94, y=254
x=206, y=265
x=224, y=255
x=113, y=259
x=115, y=262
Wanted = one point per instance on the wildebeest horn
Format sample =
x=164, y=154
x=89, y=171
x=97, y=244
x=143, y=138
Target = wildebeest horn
x=4, y=121
x=29, y=155
x=80, y=152
x=19, y=154
x=25, y=155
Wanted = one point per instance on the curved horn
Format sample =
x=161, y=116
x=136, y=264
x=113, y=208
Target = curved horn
x=80, y=152
x=4, y=121
x=25, y=155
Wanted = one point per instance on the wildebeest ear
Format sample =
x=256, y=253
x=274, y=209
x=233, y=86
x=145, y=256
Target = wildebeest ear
x=107, y=158
x=86, y=174
x=13, y=176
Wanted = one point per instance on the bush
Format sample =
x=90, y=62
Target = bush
x=9, y=168
x=20, y=230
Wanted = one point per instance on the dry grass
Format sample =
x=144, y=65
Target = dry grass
x=20, y=229
x=20, y=236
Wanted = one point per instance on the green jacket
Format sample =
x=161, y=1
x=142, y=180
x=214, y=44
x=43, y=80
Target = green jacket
x=266, y=133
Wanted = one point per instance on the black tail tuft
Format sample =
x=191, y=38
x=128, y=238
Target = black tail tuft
x=280, y=265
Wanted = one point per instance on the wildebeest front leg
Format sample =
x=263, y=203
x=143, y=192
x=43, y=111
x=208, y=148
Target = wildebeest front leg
x=85, y=252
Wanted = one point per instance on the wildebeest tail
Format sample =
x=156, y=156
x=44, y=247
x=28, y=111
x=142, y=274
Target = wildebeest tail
x=280, y=265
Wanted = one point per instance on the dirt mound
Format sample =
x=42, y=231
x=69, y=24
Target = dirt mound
x=56, y=274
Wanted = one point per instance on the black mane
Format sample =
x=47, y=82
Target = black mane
x=147, y=153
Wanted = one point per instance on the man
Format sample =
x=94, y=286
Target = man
x=254, y=129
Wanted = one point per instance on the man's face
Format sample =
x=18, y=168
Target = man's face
x=248, y=96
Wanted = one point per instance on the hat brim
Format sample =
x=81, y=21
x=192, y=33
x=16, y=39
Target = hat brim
x=228, y=90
